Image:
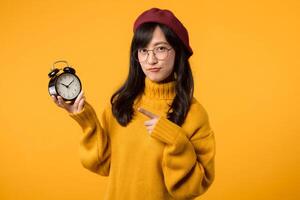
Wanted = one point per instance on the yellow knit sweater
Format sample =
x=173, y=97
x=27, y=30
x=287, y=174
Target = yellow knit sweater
x=174, y=162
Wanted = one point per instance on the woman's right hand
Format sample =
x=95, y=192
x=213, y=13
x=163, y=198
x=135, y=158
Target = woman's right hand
x=76, y=107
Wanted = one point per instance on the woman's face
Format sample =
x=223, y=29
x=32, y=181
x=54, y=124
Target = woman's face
x=164, y=58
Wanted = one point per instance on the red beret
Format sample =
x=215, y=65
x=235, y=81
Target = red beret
x=167, y=18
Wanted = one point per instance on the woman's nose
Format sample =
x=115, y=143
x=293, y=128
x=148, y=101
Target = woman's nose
x=152, y=58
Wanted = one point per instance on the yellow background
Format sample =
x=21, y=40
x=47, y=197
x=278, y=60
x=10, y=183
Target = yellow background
x=246, y=71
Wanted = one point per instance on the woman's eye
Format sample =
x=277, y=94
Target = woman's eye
x=143, y=51
x=161, y=48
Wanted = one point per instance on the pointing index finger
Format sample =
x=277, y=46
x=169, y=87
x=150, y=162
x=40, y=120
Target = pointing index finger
x=147, y=113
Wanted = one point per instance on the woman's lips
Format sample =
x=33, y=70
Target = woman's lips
x=154, y=69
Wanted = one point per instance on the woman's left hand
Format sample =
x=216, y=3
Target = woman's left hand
x=150, y=124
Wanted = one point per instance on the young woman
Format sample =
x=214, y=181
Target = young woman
x=153, y=139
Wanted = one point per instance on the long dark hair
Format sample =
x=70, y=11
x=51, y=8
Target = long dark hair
x=123, y=99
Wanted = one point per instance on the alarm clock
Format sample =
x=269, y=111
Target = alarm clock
x=64, y=82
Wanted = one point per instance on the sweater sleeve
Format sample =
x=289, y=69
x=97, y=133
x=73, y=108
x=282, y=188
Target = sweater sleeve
x=95, y=147
x=187, y=164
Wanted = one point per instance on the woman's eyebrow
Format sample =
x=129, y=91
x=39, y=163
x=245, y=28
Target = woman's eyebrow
x=157, y=43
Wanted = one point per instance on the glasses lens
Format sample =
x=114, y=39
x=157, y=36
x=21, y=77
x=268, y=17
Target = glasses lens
x=161, y=53
x=140, y=55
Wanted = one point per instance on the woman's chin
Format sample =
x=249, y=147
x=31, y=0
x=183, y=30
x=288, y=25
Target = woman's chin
x=154, y=77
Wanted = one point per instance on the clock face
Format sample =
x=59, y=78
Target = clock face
x=68, y=86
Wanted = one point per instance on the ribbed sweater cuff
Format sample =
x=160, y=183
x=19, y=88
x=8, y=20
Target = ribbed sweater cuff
x=85, y=116
x=166, y=131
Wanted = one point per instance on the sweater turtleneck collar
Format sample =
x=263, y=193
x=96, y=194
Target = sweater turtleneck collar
x=157, y=90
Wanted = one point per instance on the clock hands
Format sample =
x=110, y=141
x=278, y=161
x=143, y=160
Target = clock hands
x=71, y=82
x=67, y=86
x=64, y=85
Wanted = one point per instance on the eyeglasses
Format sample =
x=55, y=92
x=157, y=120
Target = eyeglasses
x=161, y=53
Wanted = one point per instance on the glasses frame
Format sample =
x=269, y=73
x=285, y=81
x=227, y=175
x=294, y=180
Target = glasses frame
x=136, y=56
